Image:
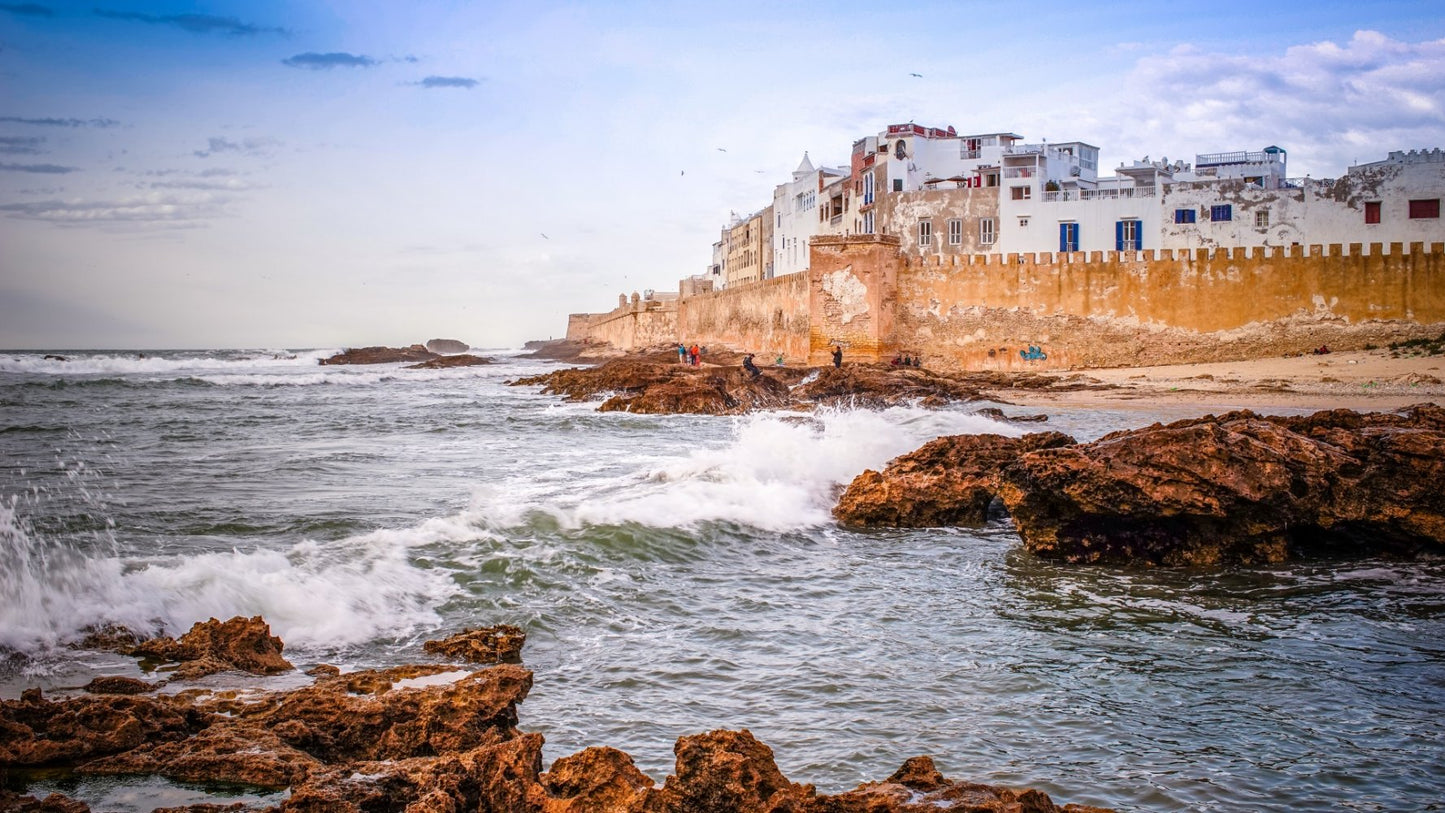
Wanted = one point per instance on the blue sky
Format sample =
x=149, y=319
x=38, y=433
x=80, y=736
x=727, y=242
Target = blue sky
x=315, y=174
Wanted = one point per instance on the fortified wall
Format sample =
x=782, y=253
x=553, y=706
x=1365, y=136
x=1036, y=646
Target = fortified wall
x=1055, y=311
x=1120, y=308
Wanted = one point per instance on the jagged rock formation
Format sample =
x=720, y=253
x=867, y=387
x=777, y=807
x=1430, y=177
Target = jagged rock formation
x=423, y=738
x=447, y=362
x=1235, y=488
x=499, y=644
x=948, y=481
x=380, y=355
x=657, y=383
x=244, y=644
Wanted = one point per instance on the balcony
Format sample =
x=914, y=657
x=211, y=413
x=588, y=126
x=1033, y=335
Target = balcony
x=1215, y=159
x=1099, y=194
x=1020, y=172
x=1024, y=149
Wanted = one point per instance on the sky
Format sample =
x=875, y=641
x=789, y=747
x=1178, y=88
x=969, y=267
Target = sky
x=334, y=173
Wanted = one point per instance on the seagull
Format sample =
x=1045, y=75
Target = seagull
x=919, y=75
x=545, y=237
x=720, y=149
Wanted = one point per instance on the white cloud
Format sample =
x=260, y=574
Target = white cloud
x=1327, y=104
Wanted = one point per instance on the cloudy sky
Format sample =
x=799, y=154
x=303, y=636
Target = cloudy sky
x=341, y=172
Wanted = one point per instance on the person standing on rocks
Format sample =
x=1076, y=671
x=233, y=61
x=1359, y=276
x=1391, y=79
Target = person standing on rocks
x=750, y=366
x=837, y=356
x=681, y=353
x=695, y=355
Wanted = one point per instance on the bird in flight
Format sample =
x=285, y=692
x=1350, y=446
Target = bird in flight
x=919, y=75
x=720, y=149
x=544, y=236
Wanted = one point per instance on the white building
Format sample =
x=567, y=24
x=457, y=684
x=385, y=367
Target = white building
x=796, y=214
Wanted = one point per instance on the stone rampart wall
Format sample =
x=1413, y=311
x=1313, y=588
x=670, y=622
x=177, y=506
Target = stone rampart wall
x=627, y=327
x=766, y=318
x=1125, y=308
x=1079, y=310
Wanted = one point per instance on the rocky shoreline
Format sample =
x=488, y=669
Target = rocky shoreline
x=425, y=738
x=1237, y=488
x=656, y=383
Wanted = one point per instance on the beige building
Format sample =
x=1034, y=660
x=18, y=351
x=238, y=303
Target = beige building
x=750, y=250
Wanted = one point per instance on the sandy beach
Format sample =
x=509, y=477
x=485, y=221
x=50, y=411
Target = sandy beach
x=1362, y=380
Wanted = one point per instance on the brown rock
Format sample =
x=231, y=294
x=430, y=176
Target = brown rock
x=918, y=787
x=283, y=739
x=488, y=645
x=729, y=772
x=54, y=803
x=604, y=780
x=948, y=481
x=380, y=355
x=500, y=777
x=447, y=362
x=212, y=646
x=116, y=684
x=1238, y=488
x=36, y=731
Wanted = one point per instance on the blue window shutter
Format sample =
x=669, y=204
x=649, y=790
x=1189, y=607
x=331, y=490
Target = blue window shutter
x=1119, y=235
x=1063, y=237
x=1139, y=235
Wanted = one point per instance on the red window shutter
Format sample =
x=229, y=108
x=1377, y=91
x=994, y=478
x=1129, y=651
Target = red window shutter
x=1425, y=209
x=1372, y=211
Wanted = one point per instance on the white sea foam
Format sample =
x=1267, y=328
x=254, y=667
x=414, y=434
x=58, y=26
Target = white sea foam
x=314, y=594
x=776, y=473
x=119, y=364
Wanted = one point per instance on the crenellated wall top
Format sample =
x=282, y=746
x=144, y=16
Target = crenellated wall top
x=1183, y=254
x=854, y=239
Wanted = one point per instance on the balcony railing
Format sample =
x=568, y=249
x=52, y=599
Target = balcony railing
x=1024, y=149
x=1019, y=172
x=1241, y=157
x=1099, y=194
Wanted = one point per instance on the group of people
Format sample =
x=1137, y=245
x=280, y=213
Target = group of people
x=689, y=355
x=905, y=360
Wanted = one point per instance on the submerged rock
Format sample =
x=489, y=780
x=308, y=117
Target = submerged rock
x=118, y=684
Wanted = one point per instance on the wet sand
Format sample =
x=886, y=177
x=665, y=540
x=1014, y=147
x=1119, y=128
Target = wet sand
x=1362, y=380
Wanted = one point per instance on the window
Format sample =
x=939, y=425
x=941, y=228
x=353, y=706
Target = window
x=868, y=188
x=925, y=233
x=1261, y=218
x=897, y=184
x=955, y=232
x=1068, y=237
x=1425, y=209
x=1223, y=211
x=1023, y=222
x=1184, y=215
x=868, y=222
x=1021, y=192
x=990, y=179
x=1128, y=236
x=986, y=231
x=1372, y=211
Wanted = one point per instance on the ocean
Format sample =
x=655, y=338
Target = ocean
x=679, y=574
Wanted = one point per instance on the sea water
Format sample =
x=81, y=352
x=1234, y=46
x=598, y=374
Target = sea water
x=680, y=574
